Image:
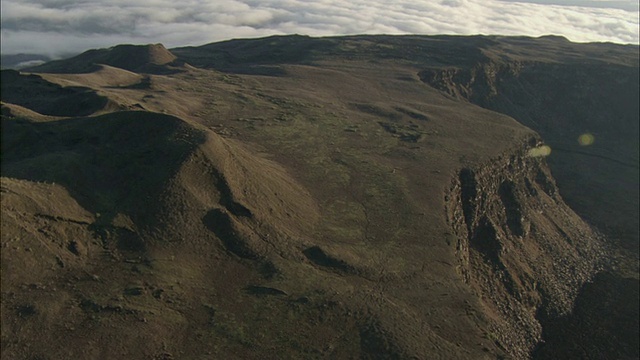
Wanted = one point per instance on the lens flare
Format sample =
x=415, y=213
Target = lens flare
x=543, y=150
x=586, y=139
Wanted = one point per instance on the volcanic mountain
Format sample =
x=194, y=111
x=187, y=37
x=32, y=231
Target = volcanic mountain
x=350, y=197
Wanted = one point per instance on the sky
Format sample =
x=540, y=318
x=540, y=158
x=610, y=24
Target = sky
x=61, y=27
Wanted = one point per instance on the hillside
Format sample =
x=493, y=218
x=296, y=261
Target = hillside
x=351, y=197
x=141, y=58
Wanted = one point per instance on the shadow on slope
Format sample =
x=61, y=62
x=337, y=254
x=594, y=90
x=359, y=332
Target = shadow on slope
x=147, y=165
x=252, y=56
x=603, y=314
x=265, y=55
x=39, y=95
x=115, y=160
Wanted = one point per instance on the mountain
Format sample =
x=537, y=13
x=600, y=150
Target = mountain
x=141, y=58
x=341, y=197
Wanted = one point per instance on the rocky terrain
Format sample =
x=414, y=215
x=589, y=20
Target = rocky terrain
x=294, y=197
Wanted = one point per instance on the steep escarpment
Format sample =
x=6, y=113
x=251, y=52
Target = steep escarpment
x=583, y=101
x=564, y=101
x=520, y=248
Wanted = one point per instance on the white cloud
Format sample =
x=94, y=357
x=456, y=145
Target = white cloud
x=61, y=26
x=29, y=63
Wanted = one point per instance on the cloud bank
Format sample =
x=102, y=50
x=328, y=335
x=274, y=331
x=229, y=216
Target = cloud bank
x=57, y=27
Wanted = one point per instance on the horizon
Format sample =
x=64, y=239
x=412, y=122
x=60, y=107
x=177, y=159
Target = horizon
x=39, y=59
x=64, y=28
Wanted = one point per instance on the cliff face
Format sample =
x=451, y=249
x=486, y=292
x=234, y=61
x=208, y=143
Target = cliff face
x=584, y=104
x=563, y=101
x=520, y=248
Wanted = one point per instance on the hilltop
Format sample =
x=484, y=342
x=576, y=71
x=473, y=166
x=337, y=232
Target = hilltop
x=141, y=58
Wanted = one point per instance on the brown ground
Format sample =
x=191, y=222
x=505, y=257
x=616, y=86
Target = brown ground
x=293, y=197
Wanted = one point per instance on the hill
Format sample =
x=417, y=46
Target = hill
x=294, y=197
x=140, y=58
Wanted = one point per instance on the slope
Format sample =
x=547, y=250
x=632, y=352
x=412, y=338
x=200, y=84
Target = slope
x=141, y=58
x=320, y=203
x=95, y=206
x=564, y=95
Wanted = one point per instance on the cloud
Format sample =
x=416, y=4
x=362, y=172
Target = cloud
x=56, y=27
x=29, y=63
